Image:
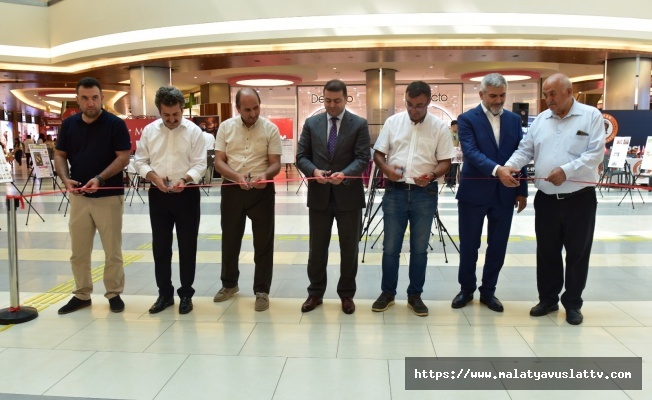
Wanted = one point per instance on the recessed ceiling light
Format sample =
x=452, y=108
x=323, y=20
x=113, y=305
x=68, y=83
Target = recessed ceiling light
x=53, y=103
x=61, y=95
x=264, y=82
x=508, y=78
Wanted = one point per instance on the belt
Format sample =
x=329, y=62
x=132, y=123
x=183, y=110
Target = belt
x=408, y=186
x=562, y=196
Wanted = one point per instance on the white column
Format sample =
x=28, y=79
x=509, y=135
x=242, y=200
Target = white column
x=145, y=81
x=627, y=84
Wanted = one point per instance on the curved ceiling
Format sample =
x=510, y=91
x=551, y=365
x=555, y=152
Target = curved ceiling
x=432, y=44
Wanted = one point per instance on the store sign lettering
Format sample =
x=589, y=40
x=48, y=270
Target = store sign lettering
x=439, y=97
x=320, y=99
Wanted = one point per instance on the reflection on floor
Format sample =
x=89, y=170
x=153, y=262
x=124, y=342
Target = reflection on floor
x=227, y=350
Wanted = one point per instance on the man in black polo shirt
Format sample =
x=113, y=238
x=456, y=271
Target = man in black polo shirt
x=96, y=144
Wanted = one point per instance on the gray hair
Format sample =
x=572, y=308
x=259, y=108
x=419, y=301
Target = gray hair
x=494, y=80
x=169, y=96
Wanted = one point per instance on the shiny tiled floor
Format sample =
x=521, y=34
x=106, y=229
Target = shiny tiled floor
x=227, y=350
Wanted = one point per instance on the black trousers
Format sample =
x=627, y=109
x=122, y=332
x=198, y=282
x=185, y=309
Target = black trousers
x=569, y=224
x=167, y=210
x=451, y=175
x=258, y=205
x=349, y=226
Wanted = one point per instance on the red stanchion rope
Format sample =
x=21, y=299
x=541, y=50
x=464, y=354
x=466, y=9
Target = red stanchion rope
x=280, y=181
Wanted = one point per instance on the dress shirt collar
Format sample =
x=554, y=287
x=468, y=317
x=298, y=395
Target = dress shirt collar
x=163, y=126
x=574, y=110
x=339, y=117
x=488, y=112
x=249, y=127
x=419, y=121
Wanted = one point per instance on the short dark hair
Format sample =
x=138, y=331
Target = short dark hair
x=169, y=96
x=454, y=122
x=237, y=95
x=335, y=85
x=88, y=83
x=417, y=88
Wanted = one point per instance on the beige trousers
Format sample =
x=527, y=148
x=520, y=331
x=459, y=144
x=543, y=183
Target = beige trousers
x=104, y=215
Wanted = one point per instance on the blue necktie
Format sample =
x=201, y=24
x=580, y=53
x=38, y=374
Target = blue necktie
x=332, y=137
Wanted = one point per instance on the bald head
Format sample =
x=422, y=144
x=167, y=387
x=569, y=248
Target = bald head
x=247, y=102
x=558, y=93
x=559, y=79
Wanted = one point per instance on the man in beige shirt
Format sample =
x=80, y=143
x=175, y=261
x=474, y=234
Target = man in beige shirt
x=247, y=153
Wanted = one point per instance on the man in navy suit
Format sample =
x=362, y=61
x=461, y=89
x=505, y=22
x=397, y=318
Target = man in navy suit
x=488, y=135
x=333, y=146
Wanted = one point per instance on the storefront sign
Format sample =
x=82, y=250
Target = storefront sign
x=320, y=99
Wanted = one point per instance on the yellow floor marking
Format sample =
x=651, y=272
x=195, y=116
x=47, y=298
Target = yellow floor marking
x=60, y=292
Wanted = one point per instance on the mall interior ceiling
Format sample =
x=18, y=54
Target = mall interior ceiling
x=314, y=65
x=441, y=65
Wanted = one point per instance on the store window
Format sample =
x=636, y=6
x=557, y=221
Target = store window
x=517, y=92
x=279, y=105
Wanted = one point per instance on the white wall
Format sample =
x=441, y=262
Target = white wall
x=72, y=20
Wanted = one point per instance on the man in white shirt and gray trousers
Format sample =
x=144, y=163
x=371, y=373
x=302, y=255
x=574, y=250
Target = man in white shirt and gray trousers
x=567, y=145
x=171, y=154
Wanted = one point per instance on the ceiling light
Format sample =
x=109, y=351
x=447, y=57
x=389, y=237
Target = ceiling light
x=264, y=80
x=53, y=103
x=586, y=78
x=510, y=76
x=62, y=95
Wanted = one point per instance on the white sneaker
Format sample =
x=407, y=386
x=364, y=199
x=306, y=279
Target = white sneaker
x=225, y=294
x=262, y=301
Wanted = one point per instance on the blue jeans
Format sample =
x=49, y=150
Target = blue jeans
x=403, y=203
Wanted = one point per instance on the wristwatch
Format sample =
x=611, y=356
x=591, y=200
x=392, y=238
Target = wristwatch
x=99, y=179
x=434, y=177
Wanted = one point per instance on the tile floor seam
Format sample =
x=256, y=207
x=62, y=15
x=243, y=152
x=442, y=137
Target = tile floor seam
x=159, y=336
x=91, y=354
x=247, y=339
x=171, y=376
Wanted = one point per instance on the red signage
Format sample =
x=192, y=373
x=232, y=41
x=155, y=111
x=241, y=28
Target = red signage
x=285, y=127
x=136, y=127
x=53, y=121
x=69, y=112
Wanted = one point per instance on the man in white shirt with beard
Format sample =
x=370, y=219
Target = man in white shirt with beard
x=171, y=154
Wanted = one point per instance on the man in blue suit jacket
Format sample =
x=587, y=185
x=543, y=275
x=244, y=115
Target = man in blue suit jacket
x=333, y=146
x=488, y=135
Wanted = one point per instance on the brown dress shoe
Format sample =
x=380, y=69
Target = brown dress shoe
x=310, y=303
x=348, y=306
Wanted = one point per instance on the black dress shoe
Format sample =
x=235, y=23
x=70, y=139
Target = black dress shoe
x=574, y=316
x=73, y=305
x=185, y=305
x=116, y=304
x=493, y=303
x=348, y=306
x=310, y=303
x=461, y=299
x=161, y=304
x=542, y=309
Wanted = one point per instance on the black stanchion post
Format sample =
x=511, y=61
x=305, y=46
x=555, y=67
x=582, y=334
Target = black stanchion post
x=15, y=314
